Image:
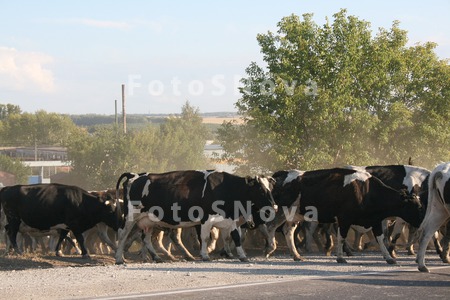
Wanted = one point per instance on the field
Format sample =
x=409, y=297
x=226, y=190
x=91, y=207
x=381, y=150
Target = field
x=219, y=120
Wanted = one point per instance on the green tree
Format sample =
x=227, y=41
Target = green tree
x=7, y=110
x=15, y=166
x=100, y=157
x=335, y=94
x=183, y=139
x=40, y=128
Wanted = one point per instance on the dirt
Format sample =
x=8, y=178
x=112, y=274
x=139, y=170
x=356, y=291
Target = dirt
x=46, y=261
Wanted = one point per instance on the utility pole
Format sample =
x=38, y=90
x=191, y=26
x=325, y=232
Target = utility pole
x=124, y=115
x=115, y=113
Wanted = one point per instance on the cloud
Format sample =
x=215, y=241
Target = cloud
x=102, y=24
x=22, y=71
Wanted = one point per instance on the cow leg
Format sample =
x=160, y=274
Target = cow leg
x=357, y=243
x=122, y=237
x=271, y=244
x=62, y=235
x=149, y=245
x=312, y=233
x=12, y=229
x=310, y=228
x=445, y=242
x=372, y=240
x=395, y=235
x=80, y=239
x=410, y=244
x=288, y=231
x=205, y=234
x=214, y=238
x=280, y=219
x=317, y=239
x=329, y=239
x=158, y=236
x=377, y=230
x=265, y=232
x=226, y=239
x=102, y=231
x=236, y=236
x=341, y=236
x=175, y=236
x=345, y=245
x=435, y=217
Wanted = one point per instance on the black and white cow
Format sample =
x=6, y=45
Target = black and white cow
x=188, y=198
x=349, y=196
x=413, y=179
x=49, y=206
x=438, y=209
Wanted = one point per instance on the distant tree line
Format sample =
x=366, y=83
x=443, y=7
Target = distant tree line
x=99, y=157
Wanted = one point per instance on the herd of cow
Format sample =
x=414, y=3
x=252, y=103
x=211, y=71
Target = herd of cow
x=352, y=197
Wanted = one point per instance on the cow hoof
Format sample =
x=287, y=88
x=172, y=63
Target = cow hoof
x=158, y=260
x=59, y=253
x=391, y=250
x=411, y=252
x=298, y=258
x=206, y=258
x=424, y=269
x=189, y=258
x=445, y=260
x=341, y=260
x=391, y=261
x=244, y=259
x=224, y=253
x=119, y=262
x=86, y=256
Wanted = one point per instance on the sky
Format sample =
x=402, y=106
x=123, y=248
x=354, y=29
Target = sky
x=72, y=57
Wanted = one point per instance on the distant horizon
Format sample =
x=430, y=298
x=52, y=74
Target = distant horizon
x=212, y=113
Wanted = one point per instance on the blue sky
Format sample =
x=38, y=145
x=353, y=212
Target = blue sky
x=72, y=57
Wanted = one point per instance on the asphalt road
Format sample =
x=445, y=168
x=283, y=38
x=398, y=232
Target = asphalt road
x=403, y=283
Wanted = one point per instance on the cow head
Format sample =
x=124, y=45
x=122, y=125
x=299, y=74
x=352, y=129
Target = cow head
x=287, y=188
x=261, y=191
x=413, y=211
x=109, y=213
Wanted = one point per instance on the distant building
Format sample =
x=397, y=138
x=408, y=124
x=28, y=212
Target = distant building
x=7, y=178
x=214, y=152
x=35, y=154
x=43, y=161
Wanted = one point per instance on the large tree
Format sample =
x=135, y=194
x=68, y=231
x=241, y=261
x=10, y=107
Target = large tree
x=337, y=94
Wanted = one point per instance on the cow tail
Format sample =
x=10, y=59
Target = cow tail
x=1, y=188
x=433, y=195
x=126, y=175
